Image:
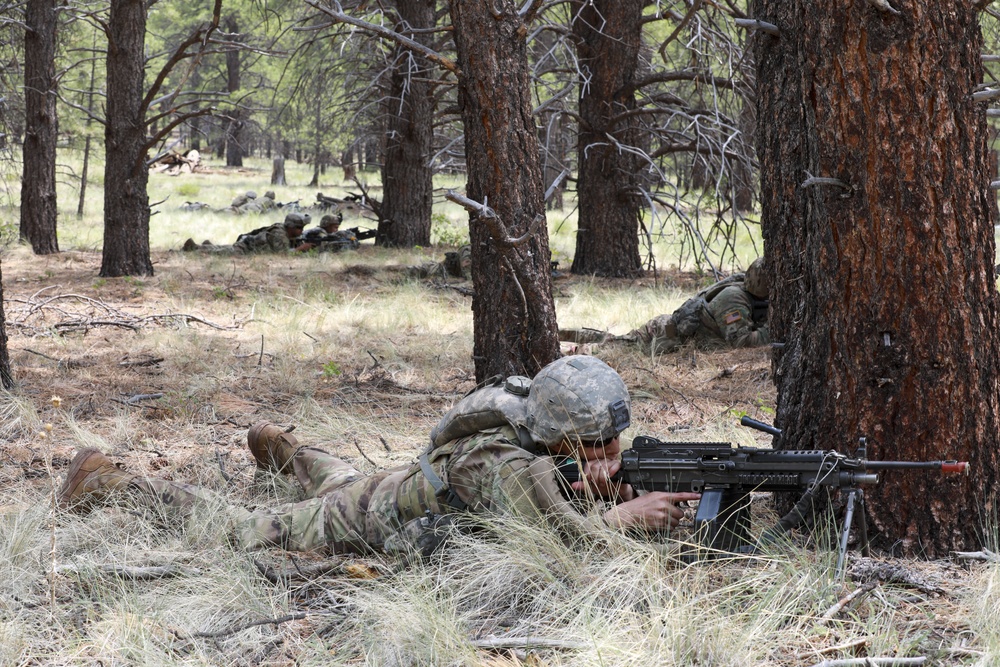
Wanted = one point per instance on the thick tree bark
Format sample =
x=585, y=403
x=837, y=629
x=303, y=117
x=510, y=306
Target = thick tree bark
x=608, y=36
x=514, y=318
x=407, y=178
x=884, y=293
x=38, y=186
x=126, y=202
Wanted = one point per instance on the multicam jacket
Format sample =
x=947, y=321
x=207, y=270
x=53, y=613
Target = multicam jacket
x=269, y=239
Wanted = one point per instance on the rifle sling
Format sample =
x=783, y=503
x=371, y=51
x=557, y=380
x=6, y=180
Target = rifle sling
x=442, y=491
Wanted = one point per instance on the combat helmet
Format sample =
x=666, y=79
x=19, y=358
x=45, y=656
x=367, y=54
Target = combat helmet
x=757, y=282
x=579, y=399
x=297, y=220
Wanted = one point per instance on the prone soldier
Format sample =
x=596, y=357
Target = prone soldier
x=730, y=313
x=329, y=237
x=495, y=452
x=278, y=237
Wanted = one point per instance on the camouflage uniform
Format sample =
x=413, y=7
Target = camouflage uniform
x=730, y=313
x=240, y=202
x=270, y=239
x=273, y=238
x=267, y=202
x=726, y=321
x=456, y=264
x=469, y=466
x=353, y=513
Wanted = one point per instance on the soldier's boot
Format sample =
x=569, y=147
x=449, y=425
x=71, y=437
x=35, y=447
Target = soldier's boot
x=91, y=479
x=271, y=446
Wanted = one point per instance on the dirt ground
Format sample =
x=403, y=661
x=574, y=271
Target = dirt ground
x=98, y=345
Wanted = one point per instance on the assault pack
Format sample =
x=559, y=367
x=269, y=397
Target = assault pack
x=496, y=402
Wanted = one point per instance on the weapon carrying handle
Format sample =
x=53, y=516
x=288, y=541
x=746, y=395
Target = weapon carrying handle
x=760, y=426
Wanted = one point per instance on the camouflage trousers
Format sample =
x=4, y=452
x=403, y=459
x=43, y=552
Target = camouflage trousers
x=350, y=512
x=344, y=509
x=657, y=336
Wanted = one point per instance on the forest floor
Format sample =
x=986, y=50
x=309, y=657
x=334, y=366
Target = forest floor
x=165, y=374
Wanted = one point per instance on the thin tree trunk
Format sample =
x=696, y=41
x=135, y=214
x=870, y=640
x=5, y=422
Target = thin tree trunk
x=407, y=178
x=317, y=133
x=347, y=164
x=278, y=171
x=84, y=171
x=234, y=128
x=883, y=287
x=126, y=202
x=6, y=376
x=608, y=34
x=38, y=185
x=514, y=319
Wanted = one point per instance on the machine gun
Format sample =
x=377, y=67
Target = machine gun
x=344, y=239
x=362, y=234
x=725, y=476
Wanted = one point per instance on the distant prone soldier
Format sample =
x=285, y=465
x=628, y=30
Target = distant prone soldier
x=329, y=237
x=456, y=264
x=731, y=313
x=279, y=237
x=254, y=204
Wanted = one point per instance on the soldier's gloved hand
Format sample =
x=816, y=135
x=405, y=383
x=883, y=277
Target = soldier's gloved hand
x=652, y=511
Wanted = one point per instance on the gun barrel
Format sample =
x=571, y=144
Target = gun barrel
x=946, y=467
x=760, y=426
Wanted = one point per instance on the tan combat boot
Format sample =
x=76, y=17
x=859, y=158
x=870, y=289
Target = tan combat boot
x=92, y=477
x=271, y=446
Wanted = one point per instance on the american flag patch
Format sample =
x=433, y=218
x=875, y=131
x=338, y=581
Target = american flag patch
x=733, y=317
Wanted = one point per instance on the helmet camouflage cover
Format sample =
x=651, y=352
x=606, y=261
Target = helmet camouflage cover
x=756, y=281
x=579, y=399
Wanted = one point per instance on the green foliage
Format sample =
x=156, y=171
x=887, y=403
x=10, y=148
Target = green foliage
x=189, y=189
x=446, y=231
x=331, y=369
x=9, y=233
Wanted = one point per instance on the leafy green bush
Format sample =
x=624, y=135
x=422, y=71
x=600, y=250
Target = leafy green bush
x=445, y=231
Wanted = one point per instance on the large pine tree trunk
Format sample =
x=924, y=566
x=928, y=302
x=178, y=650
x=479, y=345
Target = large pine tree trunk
x=126, y=203
x=884, y=292
x=38, y=186
x=514, y=318
x=409, y=110
x=608, y=37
